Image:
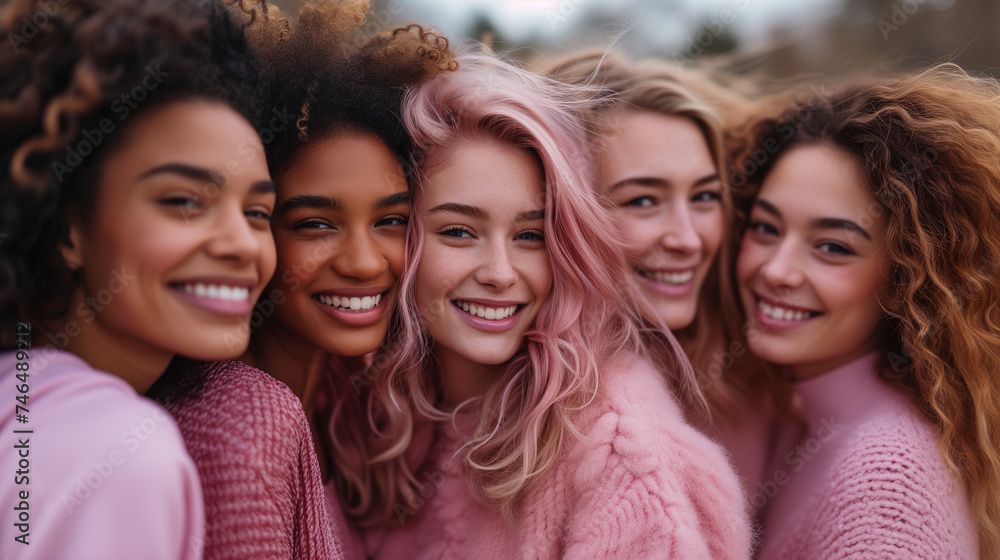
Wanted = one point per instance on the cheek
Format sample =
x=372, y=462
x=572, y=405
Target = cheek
x=642, y=235
x=748, y=261
x=394, y=252
x=540, y=276
x=709, y=228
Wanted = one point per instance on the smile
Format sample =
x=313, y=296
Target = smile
x=667, y=277
x=212, y=291
x=781, y=313
x=217, y=297
x=351, y=304
x=483, y=312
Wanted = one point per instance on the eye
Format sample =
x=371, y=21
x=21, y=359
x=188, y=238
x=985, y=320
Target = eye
x=258, y=214
x=835, y=248
x=531, y=235
x=762, y=228
x=456, y=231
x=182, y=201
x=706, y=196
x=394, y=220
x=312, y=224
x=641, y=202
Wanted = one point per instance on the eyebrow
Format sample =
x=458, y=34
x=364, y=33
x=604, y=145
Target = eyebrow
x=308, y=201
x=821, y=223
x=658, y=182
x=530, y=216
x=398, y=199
x=471, y=211
x=187, y=171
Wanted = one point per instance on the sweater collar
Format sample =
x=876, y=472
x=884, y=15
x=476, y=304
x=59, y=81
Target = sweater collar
x=845, y=393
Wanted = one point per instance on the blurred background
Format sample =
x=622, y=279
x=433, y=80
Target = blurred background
x=782, y=37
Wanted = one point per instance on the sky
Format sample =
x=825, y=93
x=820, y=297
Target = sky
x=663, y=24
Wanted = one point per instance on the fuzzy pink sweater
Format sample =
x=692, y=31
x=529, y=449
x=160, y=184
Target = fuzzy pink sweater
x=641, y=484
x=250, y=438
x=864, y=481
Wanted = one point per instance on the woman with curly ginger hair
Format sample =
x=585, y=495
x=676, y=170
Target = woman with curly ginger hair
x=868, y=270
x=522, y=411
x=121, y=124
x=258, y=426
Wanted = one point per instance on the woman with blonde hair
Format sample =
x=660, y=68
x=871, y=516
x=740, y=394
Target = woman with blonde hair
x=660, y=151
x=868, y=273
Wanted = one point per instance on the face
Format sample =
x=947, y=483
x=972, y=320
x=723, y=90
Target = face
x=659, y=172
x=178, y=247
x=340, y=230
x=484, y=271
x=810, y=267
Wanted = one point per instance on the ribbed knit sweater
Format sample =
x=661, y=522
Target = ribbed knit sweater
x=641, y=484
x=251, y=441
x=865, y=481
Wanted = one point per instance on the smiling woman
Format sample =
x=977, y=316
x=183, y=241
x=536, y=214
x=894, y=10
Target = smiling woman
x=867, y=272
x=124, y=244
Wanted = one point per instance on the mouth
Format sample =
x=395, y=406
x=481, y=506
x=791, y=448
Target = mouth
x=668, y=277
x=779, y=312
x=351, y=304
x=217, y=296
x=485, y=312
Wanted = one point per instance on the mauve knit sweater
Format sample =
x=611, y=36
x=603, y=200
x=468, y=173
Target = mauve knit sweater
x=251, y=441
x=642, y=484
x=865, y=481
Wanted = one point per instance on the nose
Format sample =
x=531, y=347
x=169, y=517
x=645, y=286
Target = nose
x=359, y=256
x=679, y=235
x=783, y=269
x=497, y=268
x=234, y=239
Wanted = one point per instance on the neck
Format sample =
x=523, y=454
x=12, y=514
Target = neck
x=289, y=359
x=139, y=364
x=463, y=379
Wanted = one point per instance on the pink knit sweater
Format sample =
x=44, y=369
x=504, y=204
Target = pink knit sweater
x=865, y=480
x=642, y=484
x=249, y=437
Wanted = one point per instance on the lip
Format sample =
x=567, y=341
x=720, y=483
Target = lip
x=489, y=325
x=355, y=319
x=772, y=324
x=669, y=290
x=215, y=305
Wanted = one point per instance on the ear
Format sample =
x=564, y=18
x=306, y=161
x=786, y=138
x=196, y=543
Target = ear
x=72, y=252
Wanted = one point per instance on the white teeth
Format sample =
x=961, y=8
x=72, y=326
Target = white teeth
x=676, y=278
x=345, y=303
x=488, y=313
x=783, y=313
x=226, y=293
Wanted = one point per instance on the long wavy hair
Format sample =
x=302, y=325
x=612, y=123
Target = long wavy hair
x=672, y=89
x=60, y=89
x=588, y=323
x=928, y=146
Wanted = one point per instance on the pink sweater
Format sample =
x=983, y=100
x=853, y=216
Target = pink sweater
x=642, y=484
x=105, y=471
x=250, y=438
x=865, y=480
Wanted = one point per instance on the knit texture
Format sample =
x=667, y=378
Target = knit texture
x=251, y=441
x=641, y=484
x=879, y=489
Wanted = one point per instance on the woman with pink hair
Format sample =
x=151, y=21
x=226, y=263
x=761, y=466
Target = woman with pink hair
x=521, y=411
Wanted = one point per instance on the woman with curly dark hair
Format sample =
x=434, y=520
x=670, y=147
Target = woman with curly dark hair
x=258, y=426
x=135, y=227
x=868, y=273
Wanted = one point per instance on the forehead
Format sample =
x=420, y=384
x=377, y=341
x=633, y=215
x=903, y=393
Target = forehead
x=634, y=138
x=487, y=174
x=817, y=180
x=342, y=166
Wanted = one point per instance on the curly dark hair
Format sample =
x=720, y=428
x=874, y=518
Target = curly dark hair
x=71, y=75
x=335, y=78
x=928, y=146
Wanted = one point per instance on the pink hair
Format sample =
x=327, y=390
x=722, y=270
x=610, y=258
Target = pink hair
x=589, y=321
